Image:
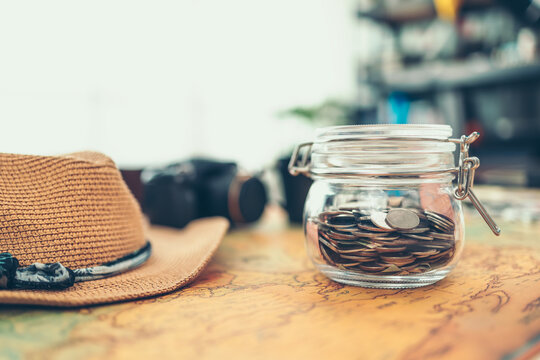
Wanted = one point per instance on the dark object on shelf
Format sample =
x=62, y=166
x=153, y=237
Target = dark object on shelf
x=296, y=190
x=181, y=192
x=397, y=15
x=527, y=10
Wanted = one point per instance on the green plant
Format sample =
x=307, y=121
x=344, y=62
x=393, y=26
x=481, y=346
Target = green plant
x=332, y=112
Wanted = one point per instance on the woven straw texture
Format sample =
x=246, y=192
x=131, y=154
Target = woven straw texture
x=74, y=209
x=178, y=256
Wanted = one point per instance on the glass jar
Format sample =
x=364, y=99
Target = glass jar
x=382, y=211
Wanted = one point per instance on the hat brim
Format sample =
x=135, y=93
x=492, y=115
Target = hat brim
x=178, y=256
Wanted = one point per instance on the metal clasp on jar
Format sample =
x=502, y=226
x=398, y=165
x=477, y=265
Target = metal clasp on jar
x=465, y=178
x=465, y=171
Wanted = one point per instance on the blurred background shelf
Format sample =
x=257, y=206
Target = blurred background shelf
x=472, y=64
x=455, y=76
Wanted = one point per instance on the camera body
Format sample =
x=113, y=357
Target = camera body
x=178, y=193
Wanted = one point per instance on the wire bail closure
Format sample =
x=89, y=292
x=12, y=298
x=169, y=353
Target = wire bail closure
x=300, y=164
x=465, y=179
x=304, y=167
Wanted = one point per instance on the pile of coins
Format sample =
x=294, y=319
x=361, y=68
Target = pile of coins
x=394, y=241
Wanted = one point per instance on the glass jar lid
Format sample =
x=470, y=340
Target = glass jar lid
x=391, y=152
x=382, y=150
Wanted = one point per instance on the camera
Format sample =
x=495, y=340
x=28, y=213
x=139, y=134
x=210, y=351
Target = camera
x=178, y=193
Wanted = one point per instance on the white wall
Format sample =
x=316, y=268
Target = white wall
x=155, y=81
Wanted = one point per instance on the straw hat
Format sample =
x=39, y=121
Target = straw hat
x=71, y=234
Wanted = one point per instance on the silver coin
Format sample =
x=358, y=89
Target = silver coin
x=420, y=213
x=378, y=218
x=402, y=219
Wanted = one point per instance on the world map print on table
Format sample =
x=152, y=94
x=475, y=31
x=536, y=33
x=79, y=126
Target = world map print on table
x=261, y=298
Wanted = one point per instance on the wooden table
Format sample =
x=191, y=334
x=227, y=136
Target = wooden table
x=262, y=299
